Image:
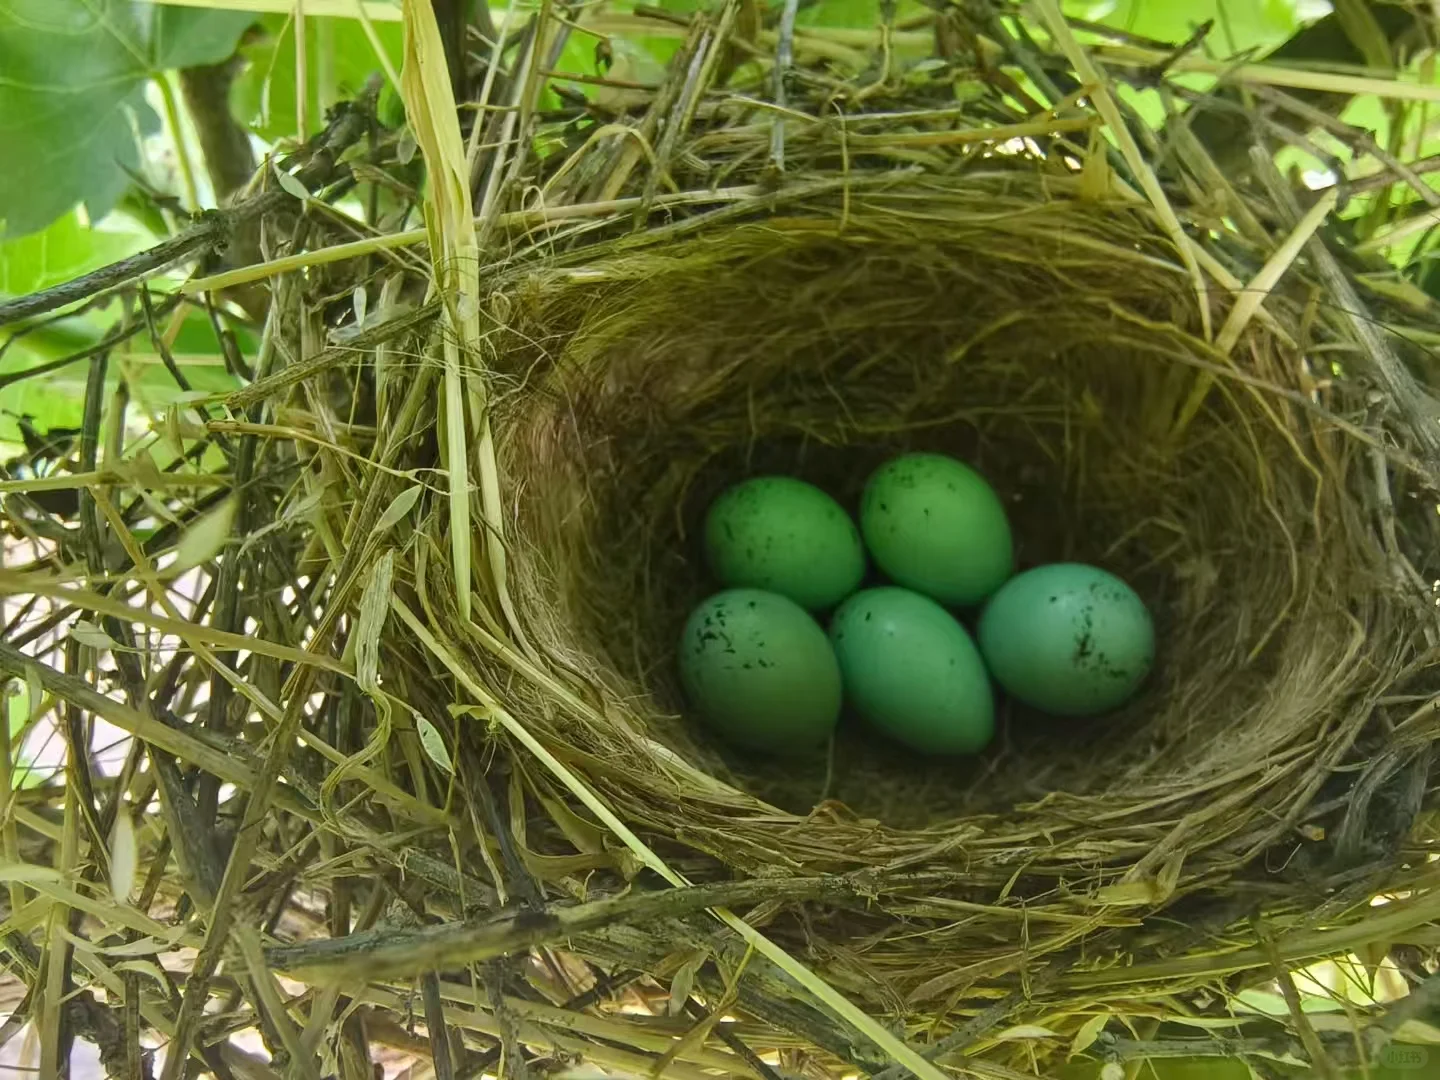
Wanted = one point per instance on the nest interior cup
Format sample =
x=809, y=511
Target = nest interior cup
x=1055, y=344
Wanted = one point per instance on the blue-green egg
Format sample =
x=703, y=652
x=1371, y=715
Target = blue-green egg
x=910, y=670
x=1068, y=638
x=933, y=524
x=786, y=536
x=760, y=671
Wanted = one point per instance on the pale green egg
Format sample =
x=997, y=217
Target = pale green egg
x=760, y=671
x=910, y=670
x=935, y=525
x=1068, y=638
x=785, y=536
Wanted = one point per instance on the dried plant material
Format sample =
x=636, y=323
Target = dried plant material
x=369, y=626
x=394, y=736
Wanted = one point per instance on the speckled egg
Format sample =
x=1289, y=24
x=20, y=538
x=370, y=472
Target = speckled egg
x=759, y=670
x=934, y=525
x=910, y=670
x=1068, y=638
x=786, y=536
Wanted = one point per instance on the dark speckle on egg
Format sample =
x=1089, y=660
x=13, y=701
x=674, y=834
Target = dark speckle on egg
x=786, y=536
x=1068, y=638
x=768, y=680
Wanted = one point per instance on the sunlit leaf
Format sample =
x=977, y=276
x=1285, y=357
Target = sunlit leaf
x=72, y=97
x=1238, y=24
x=291, y=185
x=1088, y=1033
x=1417, y=1031
x=1027, y=1031
x=27, y=872
x=64, y=249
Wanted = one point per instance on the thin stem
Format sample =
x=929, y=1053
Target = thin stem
x=302, y=79
x=784, y=57
x=177, y=136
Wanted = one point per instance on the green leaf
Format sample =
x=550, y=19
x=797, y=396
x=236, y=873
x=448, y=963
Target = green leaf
x=72, y=96
x=20, y=699
x=1239, y=24
x=65, y=249
x=339, y=58
x=291, y=185
x=87, y=633
x=856, y=14
x=1088, y=1033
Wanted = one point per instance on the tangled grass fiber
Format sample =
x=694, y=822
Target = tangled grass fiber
x=459, y=786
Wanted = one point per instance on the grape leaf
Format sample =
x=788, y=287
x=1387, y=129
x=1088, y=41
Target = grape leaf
x=72, y=96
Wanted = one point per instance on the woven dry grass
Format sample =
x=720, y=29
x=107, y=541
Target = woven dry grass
x=459, y=784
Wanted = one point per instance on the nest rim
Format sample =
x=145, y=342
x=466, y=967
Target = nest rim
x=1047, y=192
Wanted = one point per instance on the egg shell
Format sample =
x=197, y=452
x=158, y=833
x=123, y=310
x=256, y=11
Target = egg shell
x=933, y=524
x=1071, y=639
x=786, y=536
x=760, y=671
x=910, y=670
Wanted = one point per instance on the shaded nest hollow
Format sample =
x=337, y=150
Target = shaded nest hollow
x=1057, y=344
x=1054, y=344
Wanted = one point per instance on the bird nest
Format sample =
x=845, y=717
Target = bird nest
x=454, y=745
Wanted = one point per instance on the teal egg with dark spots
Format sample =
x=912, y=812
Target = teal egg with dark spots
x=785, y=536
x=911, y=671
x=759, y=670
x=1069, y=639
x=935, y=525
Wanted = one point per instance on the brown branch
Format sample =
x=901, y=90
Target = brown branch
x=440, y=1055
x=400, y=953
x=225, y=145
